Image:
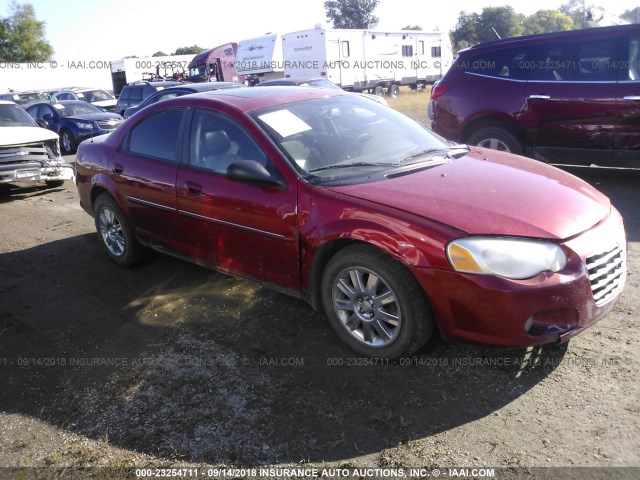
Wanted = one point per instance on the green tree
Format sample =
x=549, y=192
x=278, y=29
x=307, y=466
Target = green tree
x=547, y=21
x=351, y=13
x=576, y=9
x=466, y=32
x=632, y=16
x=473, y=28
x=192, y=50
x=159, y=53
x=22, y=36
x=412, y=27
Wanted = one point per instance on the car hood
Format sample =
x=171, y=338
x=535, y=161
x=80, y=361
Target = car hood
x=493, y=193
x=21, y=135
x=94, y=117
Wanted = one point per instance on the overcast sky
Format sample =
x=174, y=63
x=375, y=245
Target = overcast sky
x=111, y=29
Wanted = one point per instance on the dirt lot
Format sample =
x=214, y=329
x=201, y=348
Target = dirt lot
x=169, y=364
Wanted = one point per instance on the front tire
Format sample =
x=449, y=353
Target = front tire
x=379, y=91
x=115, y=233
x=67, y=143
x=394, y=91
x=374, y=304
x=496, y=138
x=54, y=183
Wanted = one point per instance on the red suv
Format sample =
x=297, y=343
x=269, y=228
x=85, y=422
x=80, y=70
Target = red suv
x=566, y=97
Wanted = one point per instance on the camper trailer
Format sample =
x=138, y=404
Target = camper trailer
x=368, y=60
x=260, y=58
x=215, y=65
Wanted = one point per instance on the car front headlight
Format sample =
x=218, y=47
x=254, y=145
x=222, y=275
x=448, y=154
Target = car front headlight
x=84, y=126
x=514, y=258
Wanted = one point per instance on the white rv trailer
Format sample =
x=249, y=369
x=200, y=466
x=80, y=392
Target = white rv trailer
x=368, y=60
x=260, y=58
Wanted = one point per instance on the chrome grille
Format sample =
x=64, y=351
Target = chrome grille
x=24, y=153
x=108, y=125
x=607, y=271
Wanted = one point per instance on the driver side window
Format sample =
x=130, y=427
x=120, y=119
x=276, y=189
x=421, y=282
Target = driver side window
x=217, y=142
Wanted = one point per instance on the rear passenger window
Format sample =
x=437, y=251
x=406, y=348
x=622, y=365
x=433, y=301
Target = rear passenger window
x=514, y=63
x=588, y=61
x=157, y=136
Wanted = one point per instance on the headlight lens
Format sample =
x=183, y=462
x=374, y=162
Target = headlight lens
x=514, y=258
x=84, y=126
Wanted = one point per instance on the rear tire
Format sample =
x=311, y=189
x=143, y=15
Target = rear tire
x=496, y=138
x=115, y=233
x=379, y=91
x=374, y=304
x=393, y=91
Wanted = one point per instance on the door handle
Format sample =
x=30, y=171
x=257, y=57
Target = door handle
x=117, y=168
x=632, y=97
x=193, y=188
x=540, y=97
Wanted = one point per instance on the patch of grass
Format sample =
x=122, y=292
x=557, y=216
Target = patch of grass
x=413, y=103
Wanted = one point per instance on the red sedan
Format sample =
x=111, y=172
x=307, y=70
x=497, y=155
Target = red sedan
x=391, y=230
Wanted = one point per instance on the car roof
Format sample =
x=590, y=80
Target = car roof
x=158, y=83
x=583, y=34
x=206, y=86
x=248, y=99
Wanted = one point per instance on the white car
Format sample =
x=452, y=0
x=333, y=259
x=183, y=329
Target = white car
x=94, y=96
x=27, y=151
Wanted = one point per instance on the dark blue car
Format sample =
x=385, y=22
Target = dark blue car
x=74, y=121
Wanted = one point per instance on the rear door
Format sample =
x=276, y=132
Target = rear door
x=571, y=101
x=144, y=170
x=627, y=153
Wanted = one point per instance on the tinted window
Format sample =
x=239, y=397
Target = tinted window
x=407, y=50
x=135, y=94
x=631, y=70
x=516, y=63
x=592, y=60
x=217, y=141
x=157, y=136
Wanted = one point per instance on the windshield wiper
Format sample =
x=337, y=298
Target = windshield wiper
x=431, y=151
x=353, y=164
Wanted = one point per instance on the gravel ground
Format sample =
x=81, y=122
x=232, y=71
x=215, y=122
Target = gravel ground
x=173, y=365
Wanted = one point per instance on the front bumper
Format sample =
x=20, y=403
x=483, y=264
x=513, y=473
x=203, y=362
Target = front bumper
x=549, y=308
x=35, y=171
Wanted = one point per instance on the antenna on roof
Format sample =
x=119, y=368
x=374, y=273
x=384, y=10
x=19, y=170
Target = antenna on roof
x=497, y=34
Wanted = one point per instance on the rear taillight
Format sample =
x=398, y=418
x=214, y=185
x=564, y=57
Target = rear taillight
x=438, y=90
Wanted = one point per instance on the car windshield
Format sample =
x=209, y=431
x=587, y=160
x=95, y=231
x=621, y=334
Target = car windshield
x=12, y=115
x=75, y=108
x=343, y=137
x=197, y=70
x=94, y=95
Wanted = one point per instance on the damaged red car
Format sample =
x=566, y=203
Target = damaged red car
x=393, y=231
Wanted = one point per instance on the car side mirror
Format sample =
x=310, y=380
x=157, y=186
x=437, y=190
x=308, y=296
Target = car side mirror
x=42, y=123
x=46, y=117
x=250, y=171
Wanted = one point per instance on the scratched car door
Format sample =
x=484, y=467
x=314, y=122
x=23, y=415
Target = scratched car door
x=240, y=228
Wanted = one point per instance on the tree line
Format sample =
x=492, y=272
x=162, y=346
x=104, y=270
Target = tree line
x=505, y=22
